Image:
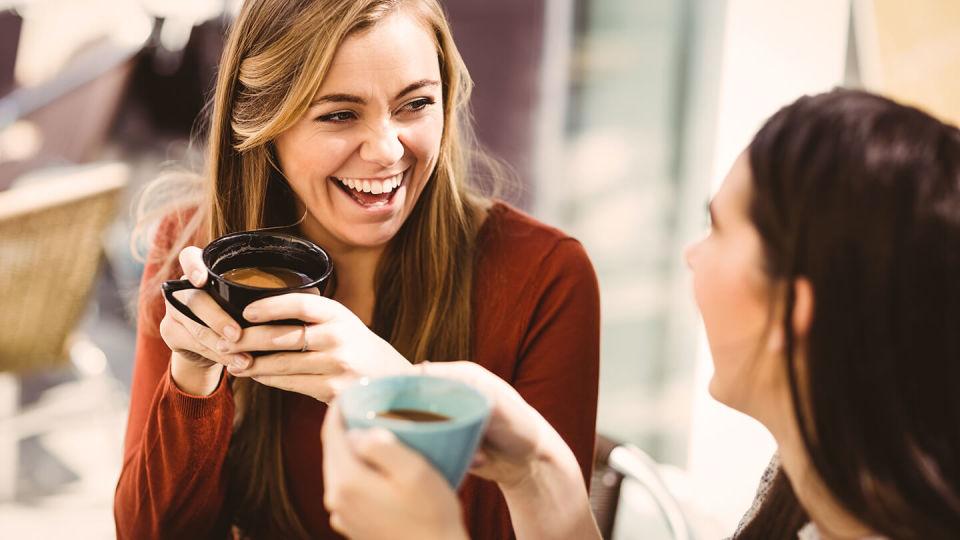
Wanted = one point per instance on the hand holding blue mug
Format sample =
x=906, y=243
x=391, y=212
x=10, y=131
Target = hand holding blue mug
x=411, y=439
x=371, y=473
x=376, y=472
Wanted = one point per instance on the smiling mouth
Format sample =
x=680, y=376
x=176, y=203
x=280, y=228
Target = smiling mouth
x=370, y=193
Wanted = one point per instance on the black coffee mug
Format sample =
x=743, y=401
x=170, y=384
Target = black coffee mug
x=254, y=249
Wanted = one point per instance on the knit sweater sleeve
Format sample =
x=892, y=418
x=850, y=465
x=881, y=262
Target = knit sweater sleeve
x=539, y=329
x=559, y=365
x=172, y=483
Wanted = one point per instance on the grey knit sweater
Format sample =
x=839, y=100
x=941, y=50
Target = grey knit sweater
x=807, y=532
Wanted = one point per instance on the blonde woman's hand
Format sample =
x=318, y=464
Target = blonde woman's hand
x=375, y=487
x=196, y=363
x=318, y=358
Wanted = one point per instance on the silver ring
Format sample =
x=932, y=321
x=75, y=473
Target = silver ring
x=304, y=348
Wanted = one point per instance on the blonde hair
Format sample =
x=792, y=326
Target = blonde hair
x=273, y=64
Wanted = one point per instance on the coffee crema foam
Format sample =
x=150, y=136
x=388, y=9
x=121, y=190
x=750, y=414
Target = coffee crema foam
x=266, y=277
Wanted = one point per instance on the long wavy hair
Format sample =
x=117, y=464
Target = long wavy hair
x=274, y=61
x=861, y=196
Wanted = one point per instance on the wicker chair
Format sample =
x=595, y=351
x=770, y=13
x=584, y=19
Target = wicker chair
x=50, y=250
x=615, y=465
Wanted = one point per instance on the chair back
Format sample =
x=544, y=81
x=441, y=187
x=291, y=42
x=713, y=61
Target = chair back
x=604, y=486
x=618, y=466
x=50, y=249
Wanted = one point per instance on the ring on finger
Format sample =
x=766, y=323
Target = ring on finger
x=304, y=347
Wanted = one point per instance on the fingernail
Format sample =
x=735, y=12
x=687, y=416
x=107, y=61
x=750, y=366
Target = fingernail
x=198, y=277
x=251, y=314
x=238, y=362
x=232, y=332
x=223, y=346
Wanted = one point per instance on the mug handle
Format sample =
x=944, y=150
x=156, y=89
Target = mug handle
x=174, y=285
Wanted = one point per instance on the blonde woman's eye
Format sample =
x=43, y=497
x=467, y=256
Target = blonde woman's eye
x=338, y=117
x=419, y=104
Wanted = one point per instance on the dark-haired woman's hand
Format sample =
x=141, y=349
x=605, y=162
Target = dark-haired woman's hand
x=517, y=436
x=371, y=472
x=196, y=363
x=520, y=451
x=376, y=487
x=317, y=358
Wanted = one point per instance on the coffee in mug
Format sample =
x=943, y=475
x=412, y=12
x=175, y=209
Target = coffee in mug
x=269, y=277
x=412, y=415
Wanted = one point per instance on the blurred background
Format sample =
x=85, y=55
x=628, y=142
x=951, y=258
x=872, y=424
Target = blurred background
x=619, y=117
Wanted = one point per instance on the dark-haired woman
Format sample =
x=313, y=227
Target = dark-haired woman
x=829, y=286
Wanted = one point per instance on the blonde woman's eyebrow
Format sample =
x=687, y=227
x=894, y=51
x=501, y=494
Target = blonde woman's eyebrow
x=350, y=98
x=339, y=98
x=412, y=87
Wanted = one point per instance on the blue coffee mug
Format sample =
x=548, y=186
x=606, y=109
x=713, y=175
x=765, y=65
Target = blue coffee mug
x=447, y=444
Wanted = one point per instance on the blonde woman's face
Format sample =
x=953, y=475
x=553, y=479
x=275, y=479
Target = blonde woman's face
x=360, y=157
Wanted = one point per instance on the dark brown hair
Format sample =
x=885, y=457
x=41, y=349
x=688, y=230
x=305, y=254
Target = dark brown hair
x=861, y=196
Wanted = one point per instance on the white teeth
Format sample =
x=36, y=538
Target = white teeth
x=373, y=186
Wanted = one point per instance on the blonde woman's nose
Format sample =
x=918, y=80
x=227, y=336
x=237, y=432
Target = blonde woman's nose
x=382, y=146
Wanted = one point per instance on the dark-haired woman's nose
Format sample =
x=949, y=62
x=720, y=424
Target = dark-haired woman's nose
x=382, y=145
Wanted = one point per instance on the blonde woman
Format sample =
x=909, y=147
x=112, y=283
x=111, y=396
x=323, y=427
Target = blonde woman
x=344, y=119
